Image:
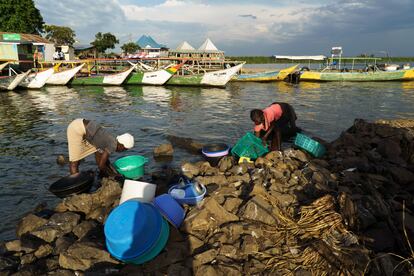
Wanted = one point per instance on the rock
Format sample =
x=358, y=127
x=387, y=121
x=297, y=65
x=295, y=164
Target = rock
x=382, y=236
x=65, y=221
x=103, y=268
x=43, y=251
x=29, y=223
x=194, y=243
x=402, y=175
x=179, y=270
x=62, y=244
x=259, y=209
x=27, y=259
x=52, y=263
x=389, y=149
x=232, y=204
x=207, y=180
x=164, y=150
x=285, y=200
x=190, y=170
x=205, y=258
x=61, y=160
x=78, y=203
x=212, y=215
x=206, y=270
x=82, y=256
x=8, y=264
x=226, y=163
x=83, y=228
x=235, y=178
x=14, y=246
x=62, y=272
x=249, y=245
x=297, y=154
x=48, y=233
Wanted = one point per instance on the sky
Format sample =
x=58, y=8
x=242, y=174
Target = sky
x=249, y=28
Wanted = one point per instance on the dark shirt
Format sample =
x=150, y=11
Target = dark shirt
x=100, y=138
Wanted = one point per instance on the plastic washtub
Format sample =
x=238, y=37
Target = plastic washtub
x=249, y=146
x=190, y=198
x=313, y=147
x=131, y=229
x=132, y=166
x=156, y=248
x=170, y=209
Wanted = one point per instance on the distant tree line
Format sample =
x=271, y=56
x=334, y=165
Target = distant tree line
x=23, y=17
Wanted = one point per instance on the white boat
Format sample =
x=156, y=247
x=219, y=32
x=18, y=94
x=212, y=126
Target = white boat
x=62, y=78
x=11, y=82
x=37, y=80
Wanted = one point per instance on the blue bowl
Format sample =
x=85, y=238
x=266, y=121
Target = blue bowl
x=190, y=197
x=170, y=209
x=157, y=248
x=131, y=229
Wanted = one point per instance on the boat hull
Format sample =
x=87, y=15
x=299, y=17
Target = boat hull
x=11, y=82
x=399, y=75
x=215, y=79
x=151, y=78
x=37, y=80
x=114, y=79
x=277, y=75
x=62, y=78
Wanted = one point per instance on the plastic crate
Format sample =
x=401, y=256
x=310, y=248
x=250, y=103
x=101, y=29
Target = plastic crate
x=249, y=146
x=313, y=147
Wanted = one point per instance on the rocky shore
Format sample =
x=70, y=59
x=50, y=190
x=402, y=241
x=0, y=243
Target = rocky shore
x=348, y=213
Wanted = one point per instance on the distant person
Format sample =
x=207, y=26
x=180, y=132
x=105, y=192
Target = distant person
x=61, y=55
x=274, y=121
x=86, y=137
x=56, y=55
x=36, y=58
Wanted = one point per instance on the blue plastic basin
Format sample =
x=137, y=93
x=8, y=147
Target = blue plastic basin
x=170, y=209
x=131, y=229
x=157, y=247
x=190, y=197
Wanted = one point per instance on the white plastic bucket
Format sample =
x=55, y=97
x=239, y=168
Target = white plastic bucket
x=142, y=191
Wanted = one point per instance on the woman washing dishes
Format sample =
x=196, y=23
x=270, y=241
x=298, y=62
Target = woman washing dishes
x=272, y=121
x=86, y=137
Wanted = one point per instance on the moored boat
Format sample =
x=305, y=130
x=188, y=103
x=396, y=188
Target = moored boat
x=159, y=77
x=11, y=82
x=37, y=80
x=216, y=78
x=62, y=78
x=277, y=75
x=113, y=79
x=375, y=75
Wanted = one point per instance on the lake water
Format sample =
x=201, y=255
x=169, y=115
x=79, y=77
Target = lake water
x=33, y=124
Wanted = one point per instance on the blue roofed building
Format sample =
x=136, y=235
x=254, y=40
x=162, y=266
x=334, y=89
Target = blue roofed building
x=150, y=48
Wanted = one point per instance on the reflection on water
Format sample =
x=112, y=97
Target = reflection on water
x=33, y=123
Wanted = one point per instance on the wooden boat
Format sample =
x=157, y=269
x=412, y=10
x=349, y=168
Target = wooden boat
x=277, y=75
x=113, y=79
x=216, y=78
x=375, y=75
x=37, y=80
x=158, y=77
x=11, y=82
x=62, y=78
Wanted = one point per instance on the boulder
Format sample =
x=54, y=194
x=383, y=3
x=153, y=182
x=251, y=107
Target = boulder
x=43, y=251
x=29, y=223
x=48, y=233
x=65, y=221
x=259, y=209
x=63, y=243
x=205, y=258
x=164, y=150
x=226, y=163
x=82, y=256
x=190, y=170
x=216, y=179
x=84, y=227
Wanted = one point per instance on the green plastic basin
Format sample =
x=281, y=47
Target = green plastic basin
x=131, y=167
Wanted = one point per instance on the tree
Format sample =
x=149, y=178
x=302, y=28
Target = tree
x=60, y=35
x=129, y=47
x=104, y=41
x=20, y=17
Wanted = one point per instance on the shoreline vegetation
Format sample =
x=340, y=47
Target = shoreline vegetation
x=271, y=59
x=350, y=212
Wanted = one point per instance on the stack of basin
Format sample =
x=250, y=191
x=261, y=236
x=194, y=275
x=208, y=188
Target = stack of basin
x=142, y=191
x=135, y=232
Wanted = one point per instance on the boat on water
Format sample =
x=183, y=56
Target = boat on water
x=11, y=82
x=37, y=80
x=217, y=78
x=62, y=78
x=112, y=79
x=158, y=77
x=369, y=75
x=277, y=75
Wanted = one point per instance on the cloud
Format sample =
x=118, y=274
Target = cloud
x=248, y=16
x=288, y=27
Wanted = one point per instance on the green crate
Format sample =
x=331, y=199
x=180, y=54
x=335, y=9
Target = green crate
x=249, y=146
x=313, y=147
